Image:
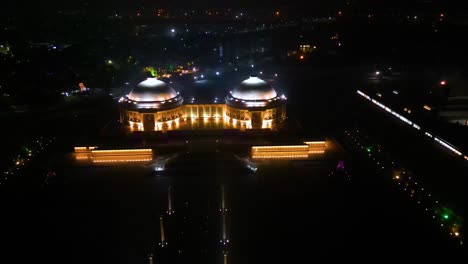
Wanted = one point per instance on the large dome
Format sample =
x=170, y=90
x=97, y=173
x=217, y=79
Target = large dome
x=254, y=88
x=152, y=90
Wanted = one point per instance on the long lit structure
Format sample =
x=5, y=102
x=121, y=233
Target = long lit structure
x=442, y=142
x=95, y=155
x=155, y=106
x=170, y=210
x=289, y=151
x=224, y=236
x=223, y=201
x=163, y=241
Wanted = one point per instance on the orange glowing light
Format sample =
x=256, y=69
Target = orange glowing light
x=82, y=86
x=443, y=83
x=277, y=13
x=301, y=57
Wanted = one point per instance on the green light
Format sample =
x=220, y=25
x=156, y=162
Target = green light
x=151, y=70
x=446, y=216
x=369, y=149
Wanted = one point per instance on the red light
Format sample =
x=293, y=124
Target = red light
x=443, y=83
x=339, y=13
x=442, y=15
x=277, y=13
x=301, y=57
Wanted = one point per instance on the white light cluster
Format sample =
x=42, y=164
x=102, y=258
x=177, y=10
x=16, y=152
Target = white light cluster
x=255, y=104
x=364, y=95
x=404, y=119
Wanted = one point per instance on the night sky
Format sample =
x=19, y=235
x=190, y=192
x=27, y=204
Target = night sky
x=104, y=6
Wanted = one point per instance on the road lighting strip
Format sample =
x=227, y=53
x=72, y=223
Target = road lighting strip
x=442, y=142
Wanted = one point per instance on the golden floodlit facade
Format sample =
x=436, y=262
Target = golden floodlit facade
x=153, y=105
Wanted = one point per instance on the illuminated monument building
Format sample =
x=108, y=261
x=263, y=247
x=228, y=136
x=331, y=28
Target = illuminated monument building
x=153, y=105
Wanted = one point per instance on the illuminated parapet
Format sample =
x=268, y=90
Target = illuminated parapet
x=126, y=159
x=121, y=151
x=321, y=143
x=121, y=155
x=84, y=153
x=280, y=152
x=85, y=149
x=316, y=147
x=113, y=155
x=289, y=151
